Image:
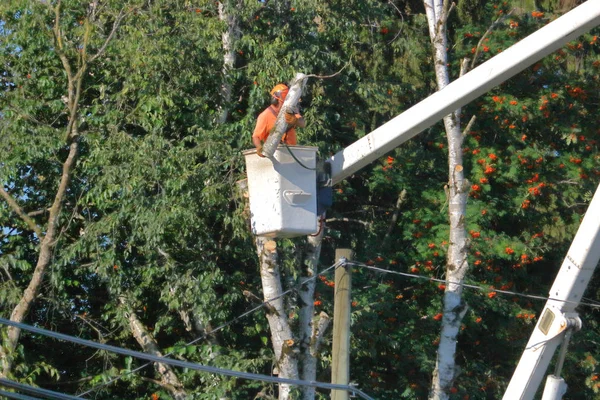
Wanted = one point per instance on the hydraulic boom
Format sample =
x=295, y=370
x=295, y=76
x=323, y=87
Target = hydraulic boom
x=558, y=319
x=465, y=89
x=558, y=316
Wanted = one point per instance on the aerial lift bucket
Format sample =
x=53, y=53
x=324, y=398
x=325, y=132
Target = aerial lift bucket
x=283, y=192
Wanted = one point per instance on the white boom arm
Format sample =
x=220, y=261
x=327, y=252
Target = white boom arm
x=584, y=253
x=465, y=89
x=559, y=313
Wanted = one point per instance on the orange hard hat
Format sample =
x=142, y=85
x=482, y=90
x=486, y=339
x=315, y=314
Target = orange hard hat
x=280, y=91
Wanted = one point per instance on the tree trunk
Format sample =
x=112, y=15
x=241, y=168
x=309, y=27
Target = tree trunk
x=147, y=342
x=75, y=75
x=228, y=38
x=310, y=334
x=48, y=243
x=454, y=308
x=284, y=344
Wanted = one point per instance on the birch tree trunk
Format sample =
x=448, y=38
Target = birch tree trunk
x=454, y=308
x=294, y=359
x=311, y=329
x=169, y=379
x=228, y=38
x=75, y=72
x=282, y=339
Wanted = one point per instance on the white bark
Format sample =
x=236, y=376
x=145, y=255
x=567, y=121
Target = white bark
x=229, y=37
x=453, y=309
x=310, y=334
x=147, y=342
x=284, y=344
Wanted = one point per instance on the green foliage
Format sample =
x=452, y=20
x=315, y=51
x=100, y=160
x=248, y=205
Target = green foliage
x=152, y=212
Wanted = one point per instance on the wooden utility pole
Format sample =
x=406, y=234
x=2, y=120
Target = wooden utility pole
x=340, y=369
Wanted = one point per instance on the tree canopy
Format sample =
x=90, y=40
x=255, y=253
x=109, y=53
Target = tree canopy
x=122, y=124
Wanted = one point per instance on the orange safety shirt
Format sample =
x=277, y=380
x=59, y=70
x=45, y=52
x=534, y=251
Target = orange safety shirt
x=265, y=123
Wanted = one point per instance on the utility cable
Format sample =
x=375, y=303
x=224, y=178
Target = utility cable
x=183, y=364
x=11, y=395
x=218, y=328
x=470, y=286
x=296, y=158
x=44, y=393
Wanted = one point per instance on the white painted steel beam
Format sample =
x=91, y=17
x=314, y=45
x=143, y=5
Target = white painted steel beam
x=465, y=89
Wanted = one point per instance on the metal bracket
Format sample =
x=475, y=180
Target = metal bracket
x=554, y=322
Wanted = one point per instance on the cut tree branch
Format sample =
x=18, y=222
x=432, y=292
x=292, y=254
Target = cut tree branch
x=469, y=125
x=319, y=333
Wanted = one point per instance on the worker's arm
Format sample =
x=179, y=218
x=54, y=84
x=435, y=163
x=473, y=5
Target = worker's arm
x=258, y=144
x=300, y=122
x=295, y=120
x=260, y=133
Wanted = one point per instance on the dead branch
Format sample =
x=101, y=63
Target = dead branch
x=110, y=36
x=358, y=221
x=332, y=75
x=489, y=30
x=469, y=125
x=100, y=335
x=399, y=202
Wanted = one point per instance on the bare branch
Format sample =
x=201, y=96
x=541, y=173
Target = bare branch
x=59, y=43
x=332, y=75
x=394, y=220
x=148, y=343
x=401, y=17
x=576, y=205
x=490, y=29
x=447, y=7
x=567, y=182
x=26, y=218
x=365, y=223
x=100, y=335
x=36, y=213
x=33, y=119
x=469, y=125
x=110, y=35
x=5, y=268
x=390, y=2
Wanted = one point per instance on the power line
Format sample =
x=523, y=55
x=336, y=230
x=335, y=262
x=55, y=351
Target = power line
x=242, y=375
x=470, y=286
x=44, y=393
x=185, y=364
x=10, y=395
x=218, y=328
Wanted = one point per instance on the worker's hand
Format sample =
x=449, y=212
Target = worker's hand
x=259, y=152
x=291, y=119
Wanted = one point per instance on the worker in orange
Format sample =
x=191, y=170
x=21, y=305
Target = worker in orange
x=266, y=120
